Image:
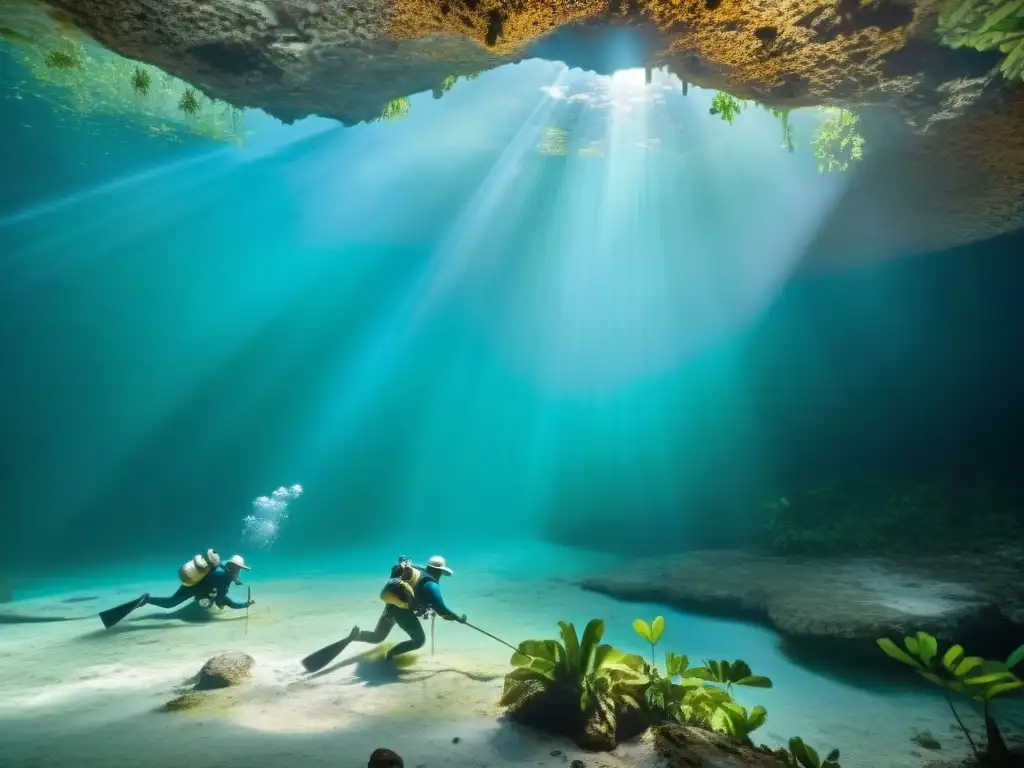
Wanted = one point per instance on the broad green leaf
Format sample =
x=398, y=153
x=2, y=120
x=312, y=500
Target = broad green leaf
x=738, y=670
x=675, y=664
x=700, y=673
x=592, y=635
x=991, y=677
x=833, y=756
x=641, y=628
x=541, y=649
x=634, y=662
x=658, y=627
x=910, y=643
x=755, y=681
x=952, y=657
x=967, y=665
x=520, y=660
x=543, y=667
x=927, y=647
x=758, y=717
x=692, y=682
x=1000, y=688
x=606, y=656
x=1002, y=12
x=895, y=652
x=1017, y=656
x=721, y=721
x=572, y=645
x=804, y=753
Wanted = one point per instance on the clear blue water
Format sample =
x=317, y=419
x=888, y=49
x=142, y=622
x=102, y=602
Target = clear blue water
x=456, y=343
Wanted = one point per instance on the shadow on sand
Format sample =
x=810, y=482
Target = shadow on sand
x=20, y=618
x=855, y=664
x=191, y=614
x=372, y=669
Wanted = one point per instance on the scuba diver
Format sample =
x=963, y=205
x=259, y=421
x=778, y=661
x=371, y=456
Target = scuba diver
x=411, y=593
x=204, y=579
x=211, y=588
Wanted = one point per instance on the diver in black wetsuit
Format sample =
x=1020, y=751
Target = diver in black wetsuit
x=213, y=587
x=426, y=598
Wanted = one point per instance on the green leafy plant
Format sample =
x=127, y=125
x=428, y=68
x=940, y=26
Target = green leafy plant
x=140, y=80
x=188, y=103
x=729, y=674
x=102, y=84
x=802, y=755
x=726, y=107
x=599, y=678
x=61, y=60
x=986, y=25
x=651, y=633
x=837, y=144
x=395, y=109
x=977, y=678
x=697, y=697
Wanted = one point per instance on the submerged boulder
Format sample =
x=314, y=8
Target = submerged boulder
x=385, y=758
x=954, y=597
x=224, y=670
x=556, y=709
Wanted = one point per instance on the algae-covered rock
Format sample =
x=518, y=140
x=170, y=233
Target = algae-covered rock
x=682, y=746
x=224, y=670
x=199, y=702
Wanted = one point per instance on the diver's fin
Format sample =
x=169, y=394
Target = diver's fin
x=111, y=616
x=320, y=659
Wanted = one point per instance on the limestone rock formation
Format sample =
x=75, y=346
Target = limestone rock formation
x=857, y=599
x=348, y=58
x=224, y=670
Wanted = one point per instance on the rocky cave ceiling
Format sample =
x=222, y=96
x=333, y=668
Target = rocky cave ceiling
x=950, y=170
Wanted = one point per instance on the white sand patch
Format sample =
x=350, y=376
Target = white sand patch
x=72, y=693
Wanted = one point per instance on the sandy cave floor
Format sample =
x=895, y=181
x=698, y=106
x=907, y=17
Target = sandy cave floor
x=72, y=693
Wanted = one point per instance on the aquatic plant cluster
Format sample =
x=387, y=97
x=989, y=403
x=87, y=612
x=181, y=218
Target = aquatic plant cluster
x=987, y=25
x=85, y=79
x=262, y=526
x=872, y=516
x=599, y=695
x=976, y=678
x=837, y=144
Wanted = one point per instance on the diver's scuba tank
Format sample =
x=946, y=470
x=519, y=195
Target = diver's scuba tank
x=195, y=570
x=400, y=589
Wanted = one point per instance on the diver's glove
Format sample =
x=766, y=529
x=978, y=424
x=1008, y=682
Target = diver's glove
x=250, y=602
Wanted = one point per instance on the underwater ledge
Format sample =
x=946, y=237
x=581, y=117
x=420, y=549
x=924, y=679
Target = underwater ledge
x=838, y=606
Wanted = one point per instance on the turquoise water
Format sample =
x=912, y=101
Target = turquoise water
x=549, y=309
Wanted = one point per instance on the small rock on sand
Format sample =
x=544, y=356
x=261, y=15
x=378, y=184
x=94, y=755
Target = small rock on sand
x=385, y=758
x=224, y=670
